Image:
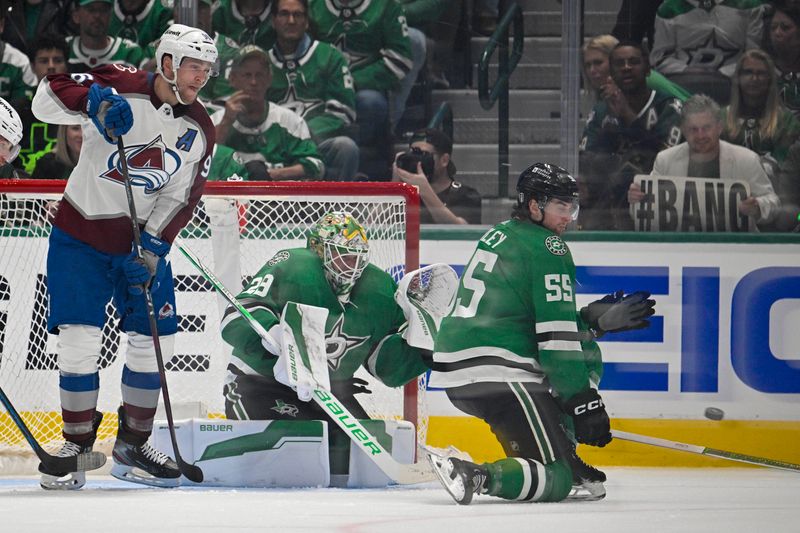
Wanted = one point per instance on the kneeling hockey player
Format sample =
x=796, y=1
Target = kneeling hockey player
x=515, y=352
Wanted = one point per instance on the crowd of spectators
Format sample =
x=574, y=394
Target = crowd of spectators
x=315, y=89
x=741, y=64
x=308, y=89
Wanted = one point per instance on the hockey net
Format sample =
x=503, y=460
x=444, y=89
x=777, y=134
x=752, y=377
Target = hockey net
x=236, y=228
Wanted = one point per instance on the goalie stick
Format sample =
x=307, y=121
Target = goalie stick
x=402, y=474
x=192, y=472
x=76, y=463
x=702, y=450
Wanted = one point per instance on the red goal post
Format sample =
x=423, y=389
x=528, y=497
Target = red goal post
x=236, y=228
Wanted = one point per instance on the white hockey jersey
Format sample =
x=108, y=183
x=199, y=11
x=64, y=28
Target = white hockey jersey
x=168, y=151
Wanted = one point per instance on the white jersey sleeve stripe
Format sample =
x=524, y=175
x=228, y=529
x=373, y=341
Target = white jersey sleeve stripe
x=484, y=351
x=556, y=325
x=561, y=345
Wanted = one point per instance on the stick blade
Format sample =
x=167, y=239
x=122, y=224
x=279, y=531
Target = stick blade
x=192, y=472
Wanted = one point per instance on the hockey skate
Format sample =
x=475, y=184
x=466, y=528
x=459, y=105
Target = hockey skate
x=587, y=481
x=138, y=462
x=70, y=480
x=460, y=478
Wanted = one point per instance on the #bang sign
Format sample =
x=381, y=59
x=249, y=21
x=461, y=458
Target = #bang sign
x=691, y=205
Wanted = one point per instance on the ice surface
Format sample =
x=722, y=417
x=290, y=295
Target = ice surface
x=650, y=500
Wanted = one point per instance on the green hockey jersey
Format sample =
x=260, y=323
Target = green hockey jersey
x=226, y=165
x=220, y=86
x=749, y=134
x=144, y=27
x=362, y=332
x=119, y=50
x=281, y=140
x=789, y=90
x=514, y=318
x=17, y=80
x=317, y=85
x=228, y=20
x=657, y=127
x=372, y=35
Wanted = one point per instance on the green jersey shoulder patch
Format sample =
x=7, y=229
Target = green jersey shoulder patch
x=555, y=245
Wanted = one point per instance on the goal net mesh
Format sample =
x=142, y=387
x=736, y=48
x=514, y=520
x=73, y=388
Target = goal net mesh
x=236, y=228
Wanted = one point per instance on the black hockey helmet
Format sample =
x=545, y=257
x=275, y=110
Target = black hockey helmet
x=544, y=182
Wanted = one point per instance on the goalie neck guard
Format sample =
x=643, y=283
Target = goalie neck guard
x=341, y=243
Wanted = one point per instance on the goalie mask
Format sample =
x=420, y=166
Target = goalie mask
x=10, y=131
x=181, y=41
x=341, y=243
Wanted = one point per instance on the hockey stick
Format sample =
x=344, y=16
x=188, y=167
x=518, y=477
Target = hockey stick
x=702, y=450
x=402, y=474
x=76, y=463
x=192, y=472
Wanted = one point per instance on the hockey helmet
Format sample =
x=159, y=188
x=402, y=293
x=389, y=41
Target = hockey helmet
x=10, y=130
x=341, y=243
x=544, y=182
x=181, y=41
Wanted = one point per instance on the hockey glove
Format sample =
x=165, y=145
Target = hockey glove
x=140, y=271
x=615, y=312
x=257, y=170
x=588, y=412
x=110, y=112
x=357, y=386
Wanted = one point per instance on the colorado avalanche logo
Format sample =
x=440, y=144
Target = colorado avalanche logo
x=150, y=166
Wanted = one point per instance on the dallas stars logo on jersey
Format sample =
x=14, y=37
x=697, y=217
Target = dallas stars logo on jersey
x=338, y=343
x=373, y=36
x=317, y=85
x=555, y=245
x=283, y=408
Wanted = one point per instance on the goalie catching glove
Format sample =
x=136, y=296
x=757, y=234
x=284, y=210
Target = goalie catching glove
x=426, y=296
x=616, y=312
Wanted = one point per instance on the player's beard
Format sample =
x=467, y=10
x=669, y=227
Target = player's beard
x=188, y=95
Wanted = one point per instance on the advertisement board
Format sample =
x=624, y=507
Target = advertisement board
x=725, y=332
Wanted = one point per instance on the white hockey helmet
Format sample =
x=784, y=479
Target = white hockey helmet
x=181, y=41
x=10, y=129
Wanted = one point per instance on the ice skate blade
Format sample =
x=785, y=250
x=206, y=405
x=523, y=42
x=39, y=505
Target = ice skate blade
x=454, y=486
x=137, y=475
x=589, y=491
x=70, y=481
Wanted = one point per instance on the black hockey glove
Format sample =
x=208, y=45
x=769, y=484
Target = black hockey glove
x=615, y=312
x=588, y=412
x=349, y=388
x=257, y=171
